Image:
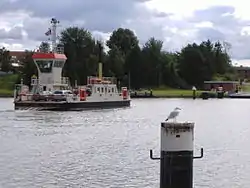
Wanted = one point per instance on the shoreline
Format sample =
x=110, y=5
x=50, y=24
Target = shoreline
x=156, y=94
x=138, y=97
x=163, y=93
x=175, y=97
x=6, y=96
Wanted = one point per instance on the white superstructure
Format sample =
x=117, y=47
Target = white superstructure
x=49, y=82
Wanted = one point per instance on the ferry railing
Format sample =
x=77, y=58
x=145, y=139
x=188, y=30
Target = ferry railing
x=112, y=80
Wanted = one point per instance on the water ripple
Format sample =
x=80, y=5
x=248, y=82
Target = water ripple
x=110, y=148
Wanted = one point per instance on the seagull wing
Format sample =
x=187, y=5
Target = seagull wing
x=173, y=114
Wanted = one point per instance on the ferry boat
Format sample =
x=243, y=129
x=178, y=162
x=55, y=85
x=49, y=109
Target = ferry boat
x=51, y=91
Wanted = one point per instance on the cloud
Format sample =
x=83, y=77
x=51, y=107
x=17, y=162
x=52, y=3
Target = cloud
x=13, y=33
x=210, y=33
x=98, y=15
x=225, y=26
x=213, y=13
x=23, y=23
x=34, y=16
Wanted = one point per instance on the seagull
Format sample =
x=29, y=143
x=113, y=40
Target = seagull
x=174, y=114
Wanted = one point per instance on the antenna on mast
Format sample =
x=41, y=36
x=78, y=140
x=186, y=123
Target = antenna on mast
x=54, y=22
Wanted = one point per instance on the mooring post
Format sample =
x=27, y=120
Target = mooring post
x=176, y=159
x=194, y=92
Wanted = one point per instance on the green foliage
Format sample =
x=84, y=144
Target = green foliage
x=198, y=63
x=82, y=53
x=7, y=82
x=44, y=47
x=6, y=92
x=141, y=67
x=174, y=93
x=28, y=68
x=225, y=77
x=123, y=40
x=5, y=60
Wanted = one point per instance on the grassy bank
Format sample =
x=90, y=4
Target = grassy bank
x=7, y=84
x=171, y=93
x=6, y=93
x=246, y=87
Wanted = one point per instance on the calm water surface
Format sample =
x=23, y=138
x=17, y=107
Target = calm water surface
x=110, y=148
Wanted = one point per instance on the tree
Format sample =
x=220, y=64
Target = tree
x=121, y=43
x=192, y=65
x=116, y=62
x=149, y=66
x=133, y=66
x=5, y=60
x=153, y=61
x=197, y=63
x=222, y=59
x=79, y=47
x=123, y=39
x=28, y=67
x=44, y=47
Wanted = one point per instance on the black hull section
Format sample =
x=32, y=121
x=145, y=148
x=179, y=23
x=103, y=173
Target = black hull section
x=176, y=169
x=142, y=96
x=239, y=96
x=69, y=106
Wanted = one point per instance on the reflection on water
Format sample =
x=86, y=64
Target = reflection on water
x=110, y=148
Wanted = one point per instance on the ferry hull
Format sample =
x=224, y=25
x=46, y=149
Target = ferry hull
x=69, y=106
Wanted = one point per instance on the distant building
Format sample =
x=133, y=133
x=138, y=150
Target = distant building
x=17, y=54
x=226, y=85
x=4, y=73
x=243, y=72
x=16, y=57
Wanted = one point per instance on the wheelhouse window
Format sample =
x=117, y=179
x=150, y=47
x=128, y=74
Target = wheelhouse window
x=45, y=66
x=58, y=64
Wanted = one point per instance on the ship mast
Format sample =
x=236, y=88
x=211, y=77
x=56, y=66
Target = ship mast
x=54, y=22
x=100, y=60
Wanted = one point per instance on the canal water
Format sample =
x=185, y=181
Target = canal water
x=110, y=148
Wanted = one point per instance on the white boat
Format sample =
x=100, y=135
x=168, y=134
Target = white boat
x=51, y=91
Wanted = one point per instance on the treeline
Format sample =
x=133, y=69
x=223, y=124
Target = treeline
x=148, y=66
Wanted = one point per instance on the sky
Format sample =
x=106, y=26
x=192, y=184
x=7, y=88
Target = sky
x=176, y=22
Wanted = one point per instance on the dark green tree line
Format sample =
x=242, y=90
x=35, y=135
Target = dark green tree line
x=146, y=66
x=5, y=60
